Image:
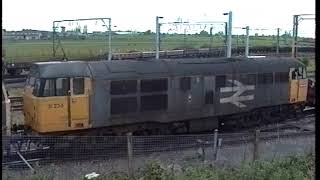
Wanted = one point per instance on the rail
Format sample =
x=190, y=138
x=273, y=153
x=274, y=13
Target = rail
x=16, y=103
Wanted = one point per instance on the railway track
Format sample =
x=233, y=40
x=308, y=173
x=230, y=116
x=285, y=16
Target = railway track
x=14, y=67
x=88, y=148
x=16, y=103
x=9, y=79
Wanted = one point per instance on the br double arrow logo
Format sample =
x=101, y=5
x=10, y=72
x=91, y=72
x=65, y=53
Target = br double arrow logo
x=236, y=99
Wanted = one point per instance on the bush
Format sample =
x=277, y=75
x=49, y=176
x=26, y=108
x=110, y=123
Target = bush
x=305, y=61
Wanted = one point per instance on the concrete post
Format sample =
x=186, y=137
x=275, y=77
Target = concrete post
x=53, y=40
x=219, y=147
x=229, y=35
x=294, y=35
x=256, y=145
x=130, y=155
x=157, y=36
x=278, y=40
x=247, y=42
x=226, y=38
x=109, y=41
x=215, y=139
x=211, y=38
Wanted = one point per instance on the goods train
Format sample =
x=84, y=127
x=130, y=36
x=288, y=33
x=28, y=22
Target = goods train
x=161, y=96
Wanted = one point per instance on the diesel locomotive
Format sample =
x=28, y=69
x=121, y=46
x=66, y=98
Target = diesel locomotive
x=161, y=96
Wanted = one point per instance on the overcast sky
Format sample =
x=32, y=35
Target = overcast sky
x=140, y=14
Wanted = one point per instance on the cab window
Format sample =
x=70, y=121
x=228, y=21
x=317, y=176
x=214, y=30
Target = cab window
x=51, y=87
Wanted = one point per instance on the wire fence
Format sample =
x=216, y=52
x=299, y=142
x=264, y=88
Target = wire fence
x=71, y=157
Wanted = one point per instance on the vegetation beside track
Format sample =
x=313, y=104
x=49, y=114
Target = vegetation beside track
x=294, y=167
x=35, y=50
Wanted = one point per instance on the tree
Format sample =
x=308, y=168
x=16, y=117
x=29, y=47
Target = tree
x=78, y=29
x=286, y=34
x=148, y=32
x=220, y=33
x=204, y=33
x=85, y=29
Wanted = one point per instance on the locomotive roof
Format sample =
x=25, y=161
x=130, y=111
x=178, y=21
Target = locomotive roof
x=124, y=69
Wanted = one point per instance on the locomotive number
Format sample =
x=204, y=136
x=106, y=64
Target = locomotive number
x=55, y=106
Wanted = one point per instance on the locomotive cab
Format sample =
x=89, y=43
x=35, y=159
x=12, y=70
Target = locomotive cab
x=57, y=103
x=298, y=85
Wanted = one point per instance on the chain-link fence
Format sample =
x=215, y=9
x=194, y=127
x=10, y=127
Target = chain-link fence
x=71, y=157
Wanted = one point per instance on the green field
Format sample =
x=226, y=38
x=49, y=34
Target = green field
x=35, y=50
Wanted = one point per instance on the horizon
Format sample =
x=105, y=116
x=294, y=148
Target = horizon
x=131, y=15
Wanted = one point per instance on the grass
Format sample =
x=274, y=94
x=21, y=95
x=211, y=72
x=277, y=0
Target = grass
x=288, y=168
x=15, y=91
x=32, y=50
x=295, y=167
x=311, y=65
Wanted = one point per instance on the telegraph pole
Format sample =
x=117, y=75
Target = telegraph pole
x=229, y=45
x=211, y=37
x=278, y=40
x=296, y=19
x=295, y=35
x=157, y=36
x=247, y=42
x=226, y=38
x=109, y=43
x=53, y=42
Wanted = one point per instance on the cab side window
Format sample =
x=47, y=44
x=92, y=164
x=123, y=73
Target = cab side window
x=78, y=86
x=36, y=89
x=297, y=73
x=294, y=74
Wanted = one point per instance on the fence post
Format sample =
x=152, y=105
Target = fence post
x=256, y=145
x=219, y=147
x=215, y=139
x=130, y=154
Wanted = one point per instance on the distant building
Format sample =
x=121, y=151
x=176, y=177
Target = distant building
x=25, y=34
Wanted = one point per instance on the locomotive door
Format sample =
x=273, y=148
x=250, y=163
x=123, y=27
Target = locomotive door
x=195, y=96
x=79, y=108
